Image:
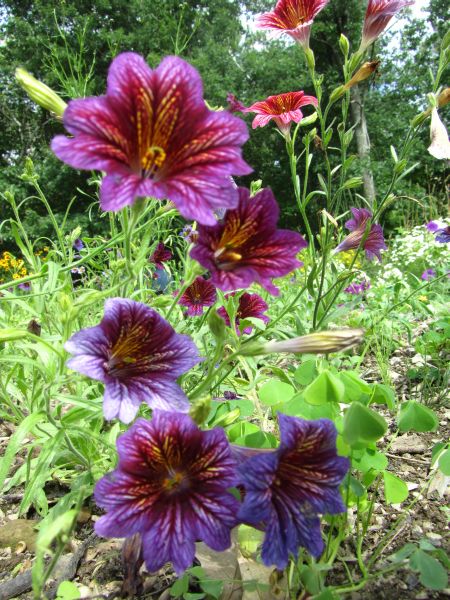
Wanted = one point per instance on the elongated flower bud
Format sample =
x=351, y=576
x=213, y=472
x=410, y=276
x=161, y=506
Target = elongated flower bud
x=323, y=342
x=362, y=73
x=40, y=93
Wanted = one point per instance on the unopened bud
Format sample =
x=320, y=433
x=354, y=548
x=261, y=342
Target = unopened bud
x=41, y=93
x=323, y=342
x=200, y=410
x=310, y=58
x=362, y=73
x=344, y=45
x=443, y=98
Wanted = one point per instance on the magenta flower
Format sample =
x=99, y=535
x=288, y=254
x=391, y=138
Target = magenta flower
x=432, y=226
x=137, y=355
x=374, y=241
x=154, y=136
x=199, y=294
x=293, y=17
x=170, y=486
x=378, y=15
x=284, y=109
x=358, y=288
x=428, y=274
x=286, y=489
x=160, y=255
x=250, y=305
x=234, y=105
x=247, y=247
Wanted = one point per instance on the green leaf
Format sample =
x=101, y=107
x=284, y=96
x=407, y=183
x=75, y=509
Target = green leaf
x=417, y=417
x=212, y=587
x=67, y=591
x=362, y=424
x=241, y=429
x=306, y=372
x=403, y=553
x=15, y=443
x=372, y=459
x=180, y=587
x=298, y=407
x=249, y=539
x=355, y=387
x=274, y=392
x=444, y=462
x=383, y=394
x=325, y=388
x=432, y=574
x=395, y=489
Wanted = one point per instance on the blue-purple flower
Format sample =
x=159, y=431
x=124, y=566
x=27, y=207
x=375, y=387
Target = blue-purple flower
x=153, y=135
x=432, y=226
x=78, y=244
x=170, y=486
x=246, y=246
x=428, y=274
x=358, y=288
x=250, y=305
x=199, y=294
x=374, y=239
x=286, y=489
x=137, y=355
x=442, y=235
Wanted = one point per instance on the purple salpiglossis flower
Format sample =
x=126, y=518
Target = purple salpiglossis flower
x=246, y=246
x=154, y=136
x=199, y=294
x=160, y=255
x=137, y=355
x=432, y=226
x=443, y=235
x=374, y=241
x=428, y=274
x=170, y=486
x=286, y=489
x=358, y=288
x=26, y=287
x=250, y=305
x=78, y=244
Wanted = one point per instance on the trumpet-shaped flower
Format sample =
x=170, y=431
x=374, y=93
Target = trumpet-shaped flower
x=160, y=255
x=286, y=489
x=199, y=294
x=246, y=246
x=440, y=144
x=428, y=274
x=293, y=17
x=154, y=136
x=137, y=355
x=284, y=109
x=374, y=239
x=170, y=486
x=378, y=15
x=250, y=305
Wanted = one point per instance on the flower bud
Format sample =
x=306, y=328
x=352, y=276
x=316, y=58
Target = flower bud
x=344, y=45
x=323, y=342
x=200, y=410
x=40, y=93
x=362, y=73
x=217, y=325
x=443, y=98
x=310, y=58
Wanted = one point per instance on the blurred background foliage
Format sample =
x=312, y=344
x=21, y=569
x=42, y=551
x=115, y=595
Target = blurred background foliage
x=69, y=45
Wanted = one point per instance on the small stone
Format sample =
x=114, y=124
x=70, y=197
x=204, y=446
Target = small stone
x=435, y=538
x=427, y=525
x=417, y=530
x=408, y=444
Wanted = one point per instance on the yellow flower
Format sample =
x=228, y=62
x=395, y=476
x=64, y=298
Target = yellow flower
x=16, y=276
x=23, y=271
x=46, y=248
x=423, y=298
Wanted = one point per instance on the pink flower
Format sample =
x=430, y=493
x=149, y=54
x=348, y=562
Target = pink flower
x=199, y=294
x=378, y=15
x=283, y=109
x=374, y=240
x=293, y=17
x=160, y=255
x=250, y=305
x=234, y=105
x=153, y=135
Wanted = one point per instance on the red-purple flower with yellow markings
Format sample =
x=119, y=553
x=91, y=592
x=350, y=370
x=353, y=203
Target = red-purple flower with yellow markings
x=170, y=486
x=378, y=15
x=284, y=109
x=160, y=255
x=250, y=305
x=154, y=136
x=293, y=17
x=246, y=246
x=199, y=294
x=137, y=355
x=286, y=489
x=374, y=239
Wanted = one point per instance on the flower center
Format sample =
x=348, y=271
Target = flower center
x=227, y=257
x=174, y=481
x=152, y=160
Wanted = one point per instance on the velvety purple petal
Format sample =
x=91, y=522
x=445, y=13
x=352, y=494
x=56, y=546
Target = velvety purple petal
x=118, y=191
